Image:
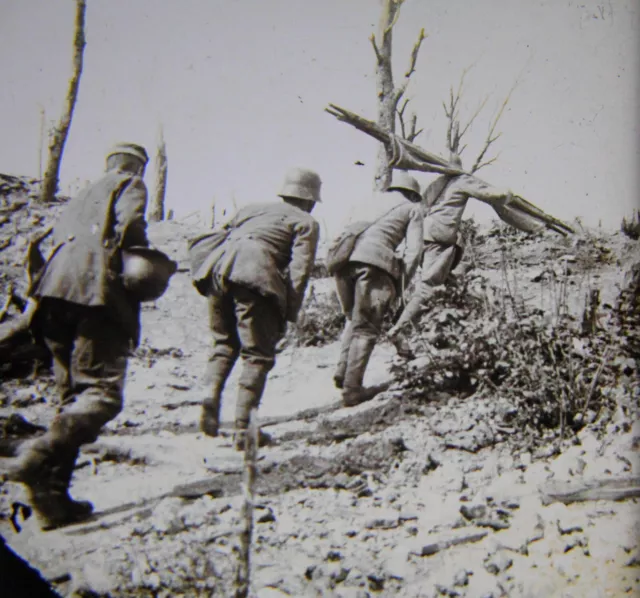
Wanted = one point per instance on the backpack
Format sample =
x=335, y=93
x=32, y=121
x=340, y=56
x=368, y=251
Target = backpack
x=343, y=245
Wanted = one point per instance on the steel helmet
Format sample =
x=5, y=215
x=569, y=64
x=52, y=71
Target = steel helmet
x=302, y=183
x=146, y=272
x=131, y=149
x=402, y=180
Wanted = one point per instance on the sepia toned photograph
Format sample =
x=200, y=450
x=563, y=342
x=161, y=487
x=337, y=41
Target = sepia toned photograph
x=320, y=298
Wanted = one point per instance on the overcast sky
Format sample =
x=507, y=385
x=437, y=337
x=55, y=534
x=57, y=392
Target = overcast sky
x=240, y=87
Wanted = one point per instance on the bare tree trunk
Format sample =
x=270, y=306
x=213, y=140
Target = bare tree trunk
x=388, y=94
x=41, y=142
x=385, y=88
x=156, y=211
x=59, y=137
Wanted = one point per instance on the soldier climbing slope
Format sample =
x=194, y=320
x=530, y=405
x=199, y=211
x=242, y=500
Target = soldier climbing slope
x=89, y=320
x=255, y=273
x=370, y=275
x=445, y=200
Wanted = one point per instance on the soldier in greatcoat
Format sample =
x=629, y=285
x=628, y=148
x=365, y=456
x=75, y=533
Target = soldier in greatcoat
x=255, y=279
x=373, y=276
x=89, y=323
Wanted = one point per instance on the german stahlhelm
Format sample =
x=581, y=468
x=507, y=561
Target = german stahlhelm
x=146, y=272
x=403, y=181
x=131, y=149
x=301, y=183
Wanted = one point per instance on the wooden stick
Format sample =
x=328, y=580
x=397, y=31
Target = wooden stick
x=243, y=571
x=7, y=303
x=604, y=489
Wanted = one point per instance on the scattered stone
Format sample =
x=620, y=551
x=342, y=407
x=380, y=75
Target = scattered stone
x=387, y=519
x=376, y=582
x=461, y=578
x=445, y=591
x=268, y=517
x=431, y=465
x=498, y=563
x=339, y=574
x=570, y=529
x=494, y=524
x=473, y=512
x=333, y=555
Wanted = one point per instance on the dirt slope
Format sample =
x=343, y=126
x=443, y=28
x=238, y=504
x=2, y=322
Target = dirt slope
x=433, y=497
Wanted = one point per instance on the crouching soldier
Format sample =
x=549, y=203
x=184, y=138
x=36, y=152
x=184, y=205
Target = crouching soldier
x=445, y=200
x=255, y=278
x=369, y=281
x=89, y=322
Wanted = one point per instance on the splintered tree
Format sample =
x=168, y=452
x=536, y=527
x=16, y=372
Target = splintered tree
x=156, y=210
x=389, y=95
x=60, y=132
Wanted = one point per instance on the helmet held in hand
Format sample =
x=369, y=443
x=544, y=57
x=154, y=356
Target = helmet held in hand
x=146, y=272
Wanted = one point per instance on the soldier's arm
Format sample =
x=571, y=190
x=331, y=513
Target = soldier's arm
x=130, y=225
x=414, y=241
x=474, y=187
x=303, y=255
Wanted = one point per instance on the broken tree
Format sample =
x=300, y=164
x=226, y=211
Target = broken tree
x=156, y=209
x=408, y=156
x=59, y=136
x=389, y=95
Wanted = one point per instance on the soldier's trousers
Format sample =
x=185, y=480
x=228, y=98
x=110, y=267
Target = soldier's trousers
x=90, y=350
x=248, y=325
x=365, y=293
x=438, y=261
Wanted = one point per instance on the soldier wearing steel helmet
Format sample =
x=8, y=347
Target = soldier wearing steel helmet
x=445, y=201
x=89, y=322
x=369, y=282
x=256, y=280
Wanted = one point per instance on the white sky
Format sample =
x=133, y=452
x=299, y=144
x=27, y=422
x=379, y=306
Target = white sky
x=240, y=86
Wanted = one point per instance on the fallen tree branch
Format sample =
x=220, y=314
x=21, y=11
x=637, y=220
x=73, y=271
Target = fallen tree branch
x=602, y=489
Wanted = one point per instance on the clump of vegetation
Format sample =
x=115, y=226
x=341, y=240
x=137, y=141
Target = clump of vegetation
x=557, y=374
x=320, y=322
x=631, y=227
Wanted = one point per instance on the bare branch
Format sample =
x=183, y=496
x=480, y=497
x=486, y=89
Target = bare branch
x=399, y=92
x=487, y=163
x=474, y=116
x=375, y=48
x=414, y=54
x=396, y=14
x=414, y=135
x=491, y=136
x=413, y=132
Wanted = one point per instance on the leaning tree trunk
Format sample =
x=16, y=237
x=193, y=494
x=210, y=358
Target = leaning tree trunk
x=59, y=136
x=156, y=210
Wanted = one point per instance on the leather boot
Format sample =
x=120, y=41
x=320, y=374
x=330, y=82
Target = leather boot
x=359, y=355
x=45, y=467
x=219, y=370
x=250, y=388
x=341, y=368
